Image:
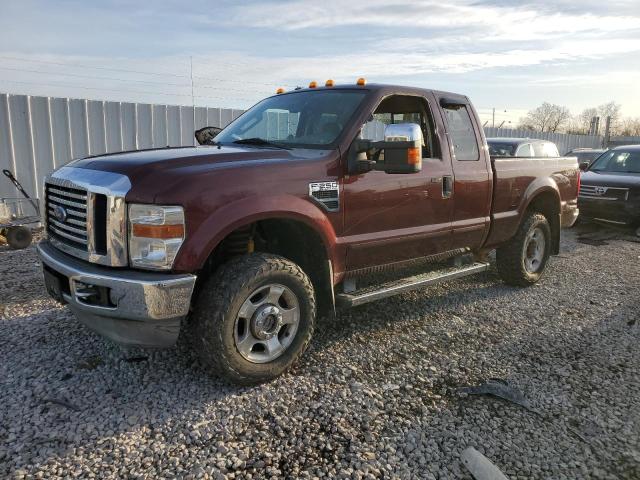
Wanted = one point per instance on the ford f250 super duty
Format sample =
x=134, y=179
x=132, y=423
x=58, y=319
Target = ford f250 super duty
x=290, y=210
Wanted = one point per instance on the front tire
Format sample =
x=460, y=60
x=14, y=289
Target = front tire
x=254, y=318
x=523, y=260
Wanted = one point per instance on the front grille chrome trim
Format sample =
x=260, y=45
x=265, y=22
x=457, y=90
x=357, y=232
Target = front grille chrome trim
x=64, y=234
x=609, y=193
x=64, y=202
x=71, y=183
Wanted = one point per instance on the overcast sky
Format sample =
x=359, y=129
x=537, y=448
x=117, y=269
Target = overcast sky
x=508, y=55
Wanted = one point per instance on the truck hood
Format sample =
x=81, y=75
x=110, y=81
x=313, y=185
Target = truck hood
x=610, y=179
x=187, y=174
x=170, y=160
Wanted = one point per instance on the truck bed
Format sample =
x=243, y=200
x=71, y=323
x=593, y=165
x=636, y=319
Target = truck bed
x=517, y=180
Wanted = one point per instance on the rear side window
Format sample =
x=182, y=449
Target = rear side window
x=463, y=136
x=538, y=149
x=550, y=150
x=525, y=150
x=545, y=149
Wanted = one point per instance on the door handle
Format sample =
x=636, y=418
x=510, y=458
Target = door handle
x=447, y=186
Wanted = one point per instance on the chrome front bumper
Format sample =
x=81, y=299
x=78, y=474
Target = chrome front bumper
x=129, y=307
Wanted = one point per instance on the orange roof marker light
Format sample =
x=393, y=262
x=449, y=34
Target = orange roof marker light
x=280, y=90
x=329, y=83
x=313, y=84
x=361, y=82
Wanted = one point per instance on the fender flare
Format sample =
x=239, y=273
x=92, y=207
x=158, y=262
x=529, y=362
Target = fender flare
x=201, y=243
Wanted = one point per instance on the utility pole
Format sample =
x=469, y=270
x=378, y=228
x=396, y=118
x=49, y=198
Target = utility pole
x=607, y=133
x=193, y=99
x=493, y=122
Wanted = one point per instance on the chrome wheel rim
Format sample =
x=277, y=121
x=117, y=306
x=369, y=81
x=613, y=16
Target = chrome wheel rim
x=534, y=248
x=266, y=323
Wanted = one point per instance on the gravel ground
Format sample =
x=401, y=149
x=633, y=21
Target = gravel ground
x=376, y=396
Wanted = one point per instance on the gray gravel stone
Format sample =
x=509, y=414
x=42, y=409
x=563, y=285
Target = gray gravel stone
x=375, y=396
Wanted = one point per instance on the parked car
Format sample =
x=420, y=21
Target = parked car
x=585, y=154
x=610, y=187
x=521, y=147
x=244, y=239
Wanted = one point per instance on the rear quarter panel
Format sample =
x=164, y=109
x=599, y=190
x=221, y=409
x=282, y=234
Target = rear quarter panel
x=518, y=181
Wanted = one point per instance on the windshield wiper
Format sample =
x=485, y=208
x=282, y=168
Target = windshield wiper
x=260, y=141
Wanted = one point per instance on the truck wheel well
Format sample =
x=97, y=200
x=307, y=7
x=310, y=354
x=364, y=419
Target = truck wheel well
x=291, y=239
x=548, y=204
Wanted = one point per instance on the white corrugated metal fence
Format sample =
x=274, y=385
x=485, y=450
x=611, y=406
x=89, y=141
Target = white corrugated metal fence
x=38, y=134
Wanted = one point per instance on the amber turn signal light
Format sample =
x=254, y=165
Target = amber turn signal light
x=413, y=156
x=313, y=84
x=280, y=90
x=158, y=231
x=361, y=82
x=329, y=83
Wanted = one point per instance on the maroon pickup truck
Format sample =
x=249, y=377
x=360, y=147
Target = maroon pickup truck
x=297, y=206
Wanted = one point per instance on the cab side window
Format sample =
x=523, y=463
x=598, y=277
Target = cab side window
x=461, y=132
x=550, y=150
x=524, y=150
x=538, y=150
x=403, y=109
x=545, y=149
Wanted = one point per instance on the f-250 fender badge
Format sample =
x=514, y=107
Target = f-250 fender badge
x=326, y=194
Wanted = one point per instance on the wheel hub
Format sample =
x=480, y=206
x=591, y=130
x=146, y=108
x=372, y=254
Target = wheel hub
x=534, y=250
x=266, y=322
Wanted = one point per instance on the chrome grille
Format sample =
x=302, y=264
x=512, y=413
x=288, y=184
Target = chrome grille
x=67, y=215
x=601, y=192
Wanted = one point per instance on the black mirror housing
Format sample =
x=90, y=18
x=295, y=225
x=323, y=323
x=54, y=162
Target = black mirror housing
x=206, y=134
x=584, y=166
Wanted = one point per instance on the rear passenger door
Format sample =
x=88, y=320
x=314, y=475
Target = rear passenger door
x=472, y=188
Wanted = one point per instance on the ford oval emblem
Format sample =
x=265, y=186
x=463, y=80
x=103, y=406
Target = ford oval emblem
x=601, y=190
x=60, y=213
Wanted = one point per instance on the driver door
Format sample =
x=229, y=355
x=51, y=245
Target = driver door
x=391, y=218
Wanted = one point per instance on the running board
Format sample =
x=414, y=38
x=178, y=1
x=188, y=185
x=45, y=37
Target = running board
x=377, y=292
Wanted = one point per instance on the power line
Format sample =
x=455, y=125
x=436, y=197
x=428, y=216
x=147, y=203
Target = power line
x=244, y=81
x=78, y=75
x=206, y=86
x=120, y=90
x=78, y=65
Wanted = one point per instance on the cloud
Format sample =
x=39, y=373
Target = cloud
x=489, y=20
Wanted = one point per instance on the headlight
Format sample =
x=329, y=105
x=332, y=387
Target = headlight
x=155, y=235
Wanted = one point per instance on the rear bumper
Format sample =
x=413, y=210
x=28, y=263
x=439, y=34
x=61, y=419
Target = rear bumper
x=129, y=307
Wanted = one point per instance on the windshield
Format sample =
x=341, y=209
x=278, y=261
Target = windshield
x=502, y=149
x=617, y=161
x=308, y=119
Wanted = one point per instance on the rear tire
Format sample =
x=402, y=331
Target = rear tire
x=18, y=237
x=523, y=260
x=254, y=318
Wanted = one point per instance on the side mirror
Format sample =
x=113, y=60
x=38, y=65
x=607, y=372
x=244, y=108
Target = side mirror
x=206, y=134
x=583, y=166
x=400, y=152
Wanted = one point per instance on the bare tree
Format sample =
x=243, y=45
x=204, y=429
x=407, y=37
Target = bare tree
x=547, y=117
x=629, y=127
x=610, y=109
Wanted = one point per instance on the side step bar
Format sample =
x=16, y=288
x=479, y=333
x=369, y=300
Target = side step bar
x=377, y=292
